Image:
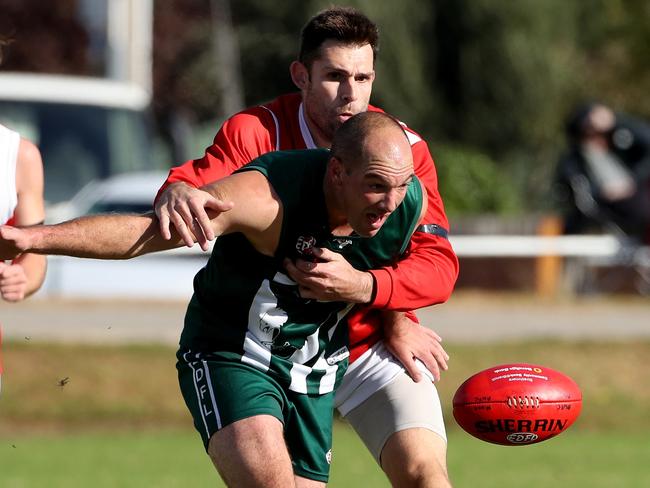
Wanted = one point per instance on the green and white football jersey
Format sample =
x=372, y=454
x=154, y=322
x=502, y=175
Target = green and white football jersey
x=245, y=308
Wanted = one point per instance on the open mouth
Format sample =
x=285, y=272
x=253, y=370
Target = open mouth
x=376, y=220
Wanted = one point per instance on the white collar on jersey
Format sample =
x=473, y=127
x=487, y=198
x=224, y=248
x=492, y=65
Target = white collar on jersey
x=304, y=129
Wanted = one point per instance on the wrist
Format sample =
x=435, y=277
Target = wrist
x=32, y=240
x=392, y=323
x=366, y=290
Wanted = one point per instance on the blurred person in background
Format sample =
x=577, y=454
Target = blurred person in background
x=21, y=204
x=604, y=175
x=399, y=419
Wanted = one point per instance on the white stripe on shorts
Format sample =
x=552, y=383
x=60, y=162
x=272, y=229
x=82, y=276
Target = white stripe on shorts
x=214, y=401
x=197, y=388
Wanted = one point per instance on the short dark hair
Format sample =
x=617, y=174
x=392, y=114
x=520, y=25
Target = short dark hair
x=342, y=24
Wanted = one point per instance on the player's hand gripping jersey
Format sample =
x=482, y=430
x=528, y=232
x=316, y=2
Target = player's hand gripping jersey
x=427, y=273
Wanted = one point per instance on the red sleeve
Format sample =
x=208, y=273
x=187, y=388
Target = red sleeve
x=428, y=272
x=242, y=138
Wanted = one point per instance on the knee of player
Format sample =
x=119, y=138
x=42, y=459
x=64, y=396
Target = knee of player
x=424, y=467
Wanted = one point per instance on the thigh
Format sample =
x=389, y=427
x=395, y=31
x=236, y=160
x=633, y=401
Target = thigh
x=400, y=405
x=219, y=392
x=251, y=452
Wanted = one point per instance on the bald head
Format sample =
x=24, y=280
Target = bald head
x=368, y=136
x=369, y=172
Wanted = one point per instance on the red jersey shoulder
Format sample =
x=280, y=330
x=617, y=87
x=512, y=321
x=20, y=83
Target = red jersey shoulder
x=285, y=111
x=413, y=136
x=250, y=120
x=284, y=104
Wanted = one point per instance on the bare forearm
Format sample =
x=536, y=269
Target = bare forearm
x=364, y=290
x=115, y=236
x=99, y=237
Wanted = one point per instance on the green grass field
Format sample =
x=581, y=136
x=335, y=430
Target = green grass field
x=119, y=421
x=175, y=458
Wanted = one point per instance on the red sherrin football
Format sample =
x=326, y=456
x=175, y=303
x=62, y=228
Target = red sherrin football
x=515, y=404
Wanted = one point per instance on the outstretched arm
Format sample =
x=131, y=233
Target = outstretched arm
x=115, y=236
x=99, y=236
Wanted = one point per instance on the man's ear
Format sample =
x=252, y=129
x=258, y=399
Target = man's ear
x=336, y=170
x=299, y=74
